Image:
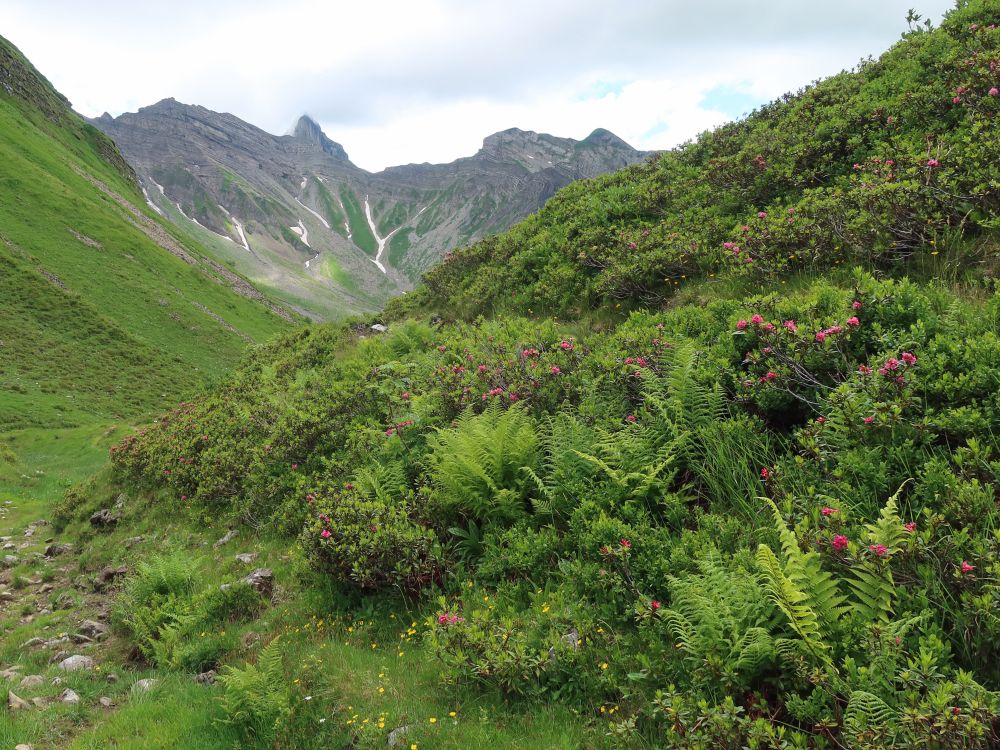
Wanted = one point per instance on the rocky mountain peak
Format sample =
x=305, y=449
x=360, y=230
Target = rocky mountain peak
x=307, y=129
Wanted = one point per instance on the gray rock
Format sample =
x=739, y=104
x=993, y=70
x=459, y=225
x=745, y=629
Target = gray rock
x=9, y=561
x=24, y=747
x=206, y=678
x=10, y=674
x=227, y=538
x=145, y=685
x=76, y=663
x=261, y=580
x=93, y=629
x=105, y=701
x=32, y=642
x=31, y=681
x=107, y=577
x=80, y=639
x=15, y=703
x=246, y=558
x=40, y=702
x=103, y=519
x=379, y=328
x=54, y=550
x=397, y=735
x=69, y=696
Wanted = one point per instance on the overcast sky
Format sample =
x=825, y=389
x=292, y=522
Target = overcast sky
x=399, y=81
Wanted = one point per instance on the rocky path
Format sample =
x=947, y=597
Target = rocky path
x=53, y=632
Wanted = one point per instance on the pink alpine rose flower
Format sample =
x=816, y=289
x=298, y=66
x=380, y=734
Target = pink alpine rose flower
x=839, y=542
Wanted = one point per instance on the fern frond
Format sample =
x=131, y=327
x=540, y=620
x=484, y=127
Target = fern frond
x=791, y=600
x=867, y=713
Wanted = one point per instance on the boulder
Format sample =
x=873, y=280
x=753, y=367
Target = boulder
x=14, y=703
x=227, y=538
x=103, y=519
x=145, y=685
x=31, y=681
x=206, y=678
x=107, y=577
x=69, y=696
x=55, y=549
x=397, y=735
x=246, y=558
x=93, y=629
x=261, y=580
x=75, y=663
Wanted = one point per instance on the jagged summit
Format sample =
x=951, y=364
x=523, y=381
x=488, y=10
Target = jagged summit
x=307, y=129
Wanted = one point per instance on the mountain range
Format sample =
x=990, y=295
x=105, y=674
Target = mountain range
x=295, y=215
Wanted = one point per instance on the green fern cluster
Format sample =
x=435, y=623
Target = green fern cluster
x=478, y=466
x=721, y=622
x=257, y=696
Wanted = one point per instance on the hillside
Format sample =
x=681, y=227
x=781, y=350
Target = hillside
x=106, y=316
x=892, y=166
x=702, y=455
x=294, y=214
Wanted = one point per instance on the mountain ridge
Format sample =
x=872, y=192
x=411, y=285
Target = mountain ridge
x=332, y=237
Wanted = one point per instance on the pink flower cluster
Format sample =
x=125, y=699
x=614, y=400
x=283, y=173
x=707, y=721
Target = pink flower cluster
x=880, y=550
x=398, y=427
x=446, y=618
x=840, y=542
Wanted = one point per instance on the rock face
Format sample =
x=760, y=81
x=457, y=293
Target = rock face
x=300, y=197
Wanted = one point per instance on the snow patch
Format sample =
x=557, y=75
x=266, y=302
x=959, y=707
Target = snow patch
x=302, y=232
x=151, y=204
x=325, y=223
x=239, y=231
x=304, y=182
x=314, y=258
x=377, y=260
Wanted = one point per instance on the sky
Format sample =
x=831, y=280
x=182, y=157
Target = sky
x=409, y=81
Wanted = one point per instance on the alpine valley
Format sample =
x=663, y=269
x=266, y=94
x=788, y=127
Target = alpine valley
x=297, y=217
x=703, y=453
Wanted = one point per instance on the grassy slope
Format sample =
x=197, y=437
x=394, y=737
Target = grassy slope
x=109, y=325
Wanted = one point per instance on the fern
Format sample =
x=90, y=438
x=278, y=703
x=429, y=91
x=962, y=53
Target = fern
x=804, y=571
x=256, y=696
x=792, y=601
x=868, y=715
x=719, y=620
x=872, y=582
x=478, y=466
x=564, y=441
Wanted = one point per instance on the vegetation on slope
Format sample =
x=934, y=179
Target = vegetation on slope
x=881, y=166
x=99, y=320
x=758, y=510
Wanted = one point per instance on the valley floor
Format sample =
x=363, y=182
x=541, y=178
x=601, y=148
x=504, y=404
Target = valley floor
x=363, y=679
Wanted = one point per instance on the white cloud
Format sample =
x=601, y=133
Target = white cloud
x=399, y=81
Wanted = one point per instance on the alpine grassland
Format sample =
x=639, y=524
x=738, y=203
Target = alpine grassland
x=702, y=455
